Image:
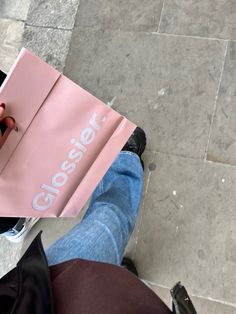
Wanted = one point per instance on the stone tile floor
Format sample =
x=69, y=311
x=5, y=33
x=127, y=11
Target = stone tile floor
x=170, y=65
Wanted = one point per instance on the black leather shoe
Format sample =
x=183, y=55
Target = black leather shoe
x=136, y=143
x=128, y=264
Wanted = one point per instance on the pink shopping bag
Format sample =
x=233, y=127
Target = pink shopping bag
x=66, y=141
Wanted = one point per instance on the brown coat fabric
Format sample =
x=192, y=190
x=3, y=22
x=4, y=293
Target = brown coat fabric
x=73, y=287
x=88, y=287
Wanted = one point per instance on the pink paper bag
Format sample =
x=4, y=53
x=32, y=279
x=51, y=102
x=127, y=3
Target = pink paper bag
x=66, y=141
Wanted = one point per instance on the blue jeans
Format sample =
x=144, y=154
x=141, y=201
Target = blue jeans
x=103, y=233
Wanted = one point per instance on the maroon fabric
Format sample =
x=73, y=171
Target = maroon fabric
x=86, y=287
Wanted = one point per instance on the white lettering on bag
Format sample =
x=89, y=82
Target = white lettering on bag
x=44, y=199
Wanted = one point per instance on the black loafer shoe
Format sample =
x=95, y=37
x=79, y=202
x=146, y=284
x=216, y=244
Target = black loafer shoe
x=128, y=264
x=136, y=143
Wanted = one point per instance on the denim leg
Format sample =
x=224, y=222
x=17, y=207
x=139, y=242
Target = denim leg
x=103, y=233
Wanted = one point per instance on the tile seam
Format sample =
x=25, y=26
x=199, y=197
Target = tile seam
x=193, y=295
x=162, y=10
x=49, y=27
x=143, y=206
x=189, y=36
x=215, y=102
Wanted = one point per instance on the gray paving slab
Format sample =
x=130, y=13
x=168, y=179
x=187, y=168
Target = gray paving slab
x=212, y=307
x=51, y=45
x=188, y=229
x=14, y=9
x=139, y=15
x=10, y=39
x=53, y=13
x=201, y=305
x=165, y=84
x=222, y=146
x=200, y=18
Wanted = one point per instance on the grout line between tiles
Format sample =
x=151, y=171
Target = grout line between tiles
x=157, y=33
x=188, y=36
x=12, y=19
x=143, y=206
x=173, y=154
x=191, y=295
x=215, y=300
x=224, y=164
x=49, y=27
x=162, y=10
x=141, y=217
x=215, y=103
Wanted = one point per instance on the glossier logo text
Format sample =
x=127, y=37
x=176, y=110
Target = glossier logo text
x=49, y=192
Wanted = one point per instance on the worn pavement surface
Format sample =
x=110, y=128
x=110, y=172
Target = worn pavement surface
x=171, y=64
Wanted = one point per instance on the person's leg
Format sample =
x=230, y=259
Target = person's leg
x=103, y=233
